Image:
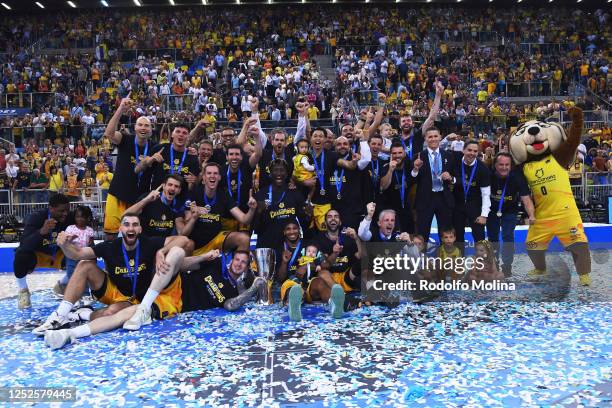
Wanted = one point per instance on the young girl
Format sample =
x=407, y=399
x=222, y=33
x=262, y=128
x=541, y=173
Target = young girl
x=303, y=169
x=485, y=270
x=83, y=234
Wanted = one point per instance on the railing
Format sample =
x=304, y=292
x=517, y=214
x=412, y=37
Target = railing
x=466, y=36
x=591, y=118
x=545, y=48
x=27, y=100
x=544, y=87
x=21, y=203
x=16, y=135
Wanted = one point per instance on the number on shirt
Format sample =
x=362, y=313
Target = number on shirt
x=543, y=190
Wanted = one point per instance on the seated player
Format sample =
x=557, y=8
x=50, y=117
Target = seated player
x=130, y=263
x=38, y=246
x=342, y=250
x=295, y=283
x=210, y=206
x=217, y=282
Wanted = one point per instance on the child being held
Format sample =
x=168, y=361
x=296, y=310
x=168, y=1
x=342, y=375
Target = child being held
x=303, y=169
x=82, y=236
x=309, y=264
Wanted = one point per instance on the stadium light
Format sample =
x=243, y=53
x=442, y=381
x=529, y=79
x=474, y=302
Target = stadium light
x=39, y=4
x=172, y=2
x=367, y=1
x=137, y=2
x=203, y=2
x=6, y=6
x=71, y=4
x=104, y=3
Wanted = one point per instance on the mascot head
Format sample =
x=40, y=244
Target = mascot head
x=535, y=140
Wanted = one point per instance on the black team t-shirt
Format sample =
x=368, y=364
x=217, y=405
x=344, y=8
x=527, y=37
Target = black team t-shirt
x=158, y=217
x=346, y=259
x=31, y=240
x=118, y=273
x=515, y=188
x=265, y=178
x=285, y=204
x=126, y=186
x=326, y=161
x=209, y=225
x=393, y=194
x=245, y=171
x=482, y=178
x=207, y=287
x=371, y=176
x=183, y=164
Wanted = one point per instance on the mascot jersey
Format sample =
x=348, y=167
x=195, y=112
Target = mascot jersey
x=550, y=186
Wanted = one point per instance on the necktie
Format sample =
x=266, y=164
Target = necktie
x=437, y=166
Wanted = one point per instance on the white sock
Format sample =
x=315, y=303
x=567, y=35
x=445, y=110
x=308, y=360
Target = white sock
x=148, y=299
x=64, y=308
x=22, y=283
x=85, y=314
x=64, y=280
x=80, y=331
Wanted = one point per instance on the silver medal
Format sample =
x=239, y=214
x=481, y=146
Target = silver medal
x=499, y=214
x=268, y=203
x=339, y=196
x=207, y=207
x=322, y=192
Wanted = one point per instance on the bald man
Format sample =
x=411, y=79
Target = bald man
x=125, y=190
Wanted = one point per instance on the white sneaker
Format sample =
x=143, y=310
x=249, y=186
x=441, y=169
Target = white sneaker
x=141, y=317
x=53, y=322
x=57, y=339
x=82, y=314
x=23, y=299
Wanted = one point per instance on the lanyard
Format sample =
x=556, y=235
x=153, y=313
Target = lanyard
x=229, y=188
x=320, y=170
x=137, y=153
x=132, y=273
x=225, y=270
x=501, y=200
x=210, y=203
x=52, y=246
x=408, y=151
x=172, y=206
x=339, y=181
x=296, y=251
x=403, y=184
x=274, y=156
x=466, y=188
x=375, y=173
x=270, y=196
x=172, y=160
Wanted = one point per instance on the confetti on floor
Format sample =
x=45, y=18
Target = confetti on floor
x=441, y=354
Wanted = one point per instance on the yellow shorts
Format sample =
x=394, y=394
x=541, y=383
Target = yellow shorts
x=569, y=231
x=215, y=243
x=338, y=277
x=233, y=225
x=318, y=215
x=168, y=303
x=44, y=260
x=289, y=283
x=112, y=214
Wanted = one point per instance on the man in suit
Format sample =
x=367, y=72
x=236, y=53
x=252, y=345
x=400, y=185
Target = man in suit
x=432, y=171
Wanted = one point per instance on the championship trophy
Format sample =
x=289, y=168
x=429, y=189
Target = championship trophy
x=266, y=265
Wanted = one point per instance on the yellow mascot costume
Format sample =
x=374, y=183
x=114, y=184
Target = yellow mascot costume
x=545, y=151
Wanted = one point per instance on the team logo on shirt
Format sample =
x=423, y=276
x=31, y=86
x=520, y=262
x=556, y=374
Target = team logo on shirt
x=220, y=285
x=176, y=161
x=539, y=173
x=281, y=205
x=54, y=234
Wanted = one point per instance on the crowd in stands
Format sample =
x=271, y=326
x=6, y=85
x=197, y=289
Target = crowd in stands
x=206, y=63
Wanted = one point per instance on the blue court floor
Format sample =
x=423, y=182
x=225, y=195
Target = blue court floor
x=453, y=353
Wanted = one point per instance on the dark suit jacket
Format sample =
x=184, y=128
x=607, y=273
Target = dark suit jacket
x=424, y=184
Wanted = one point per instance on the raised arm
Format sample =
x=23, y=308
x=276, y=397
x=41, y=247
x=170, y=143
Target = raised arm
x=111, y=128
x=140, y=205
x=65, y=242
x=248, y=217
x=435, y=108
